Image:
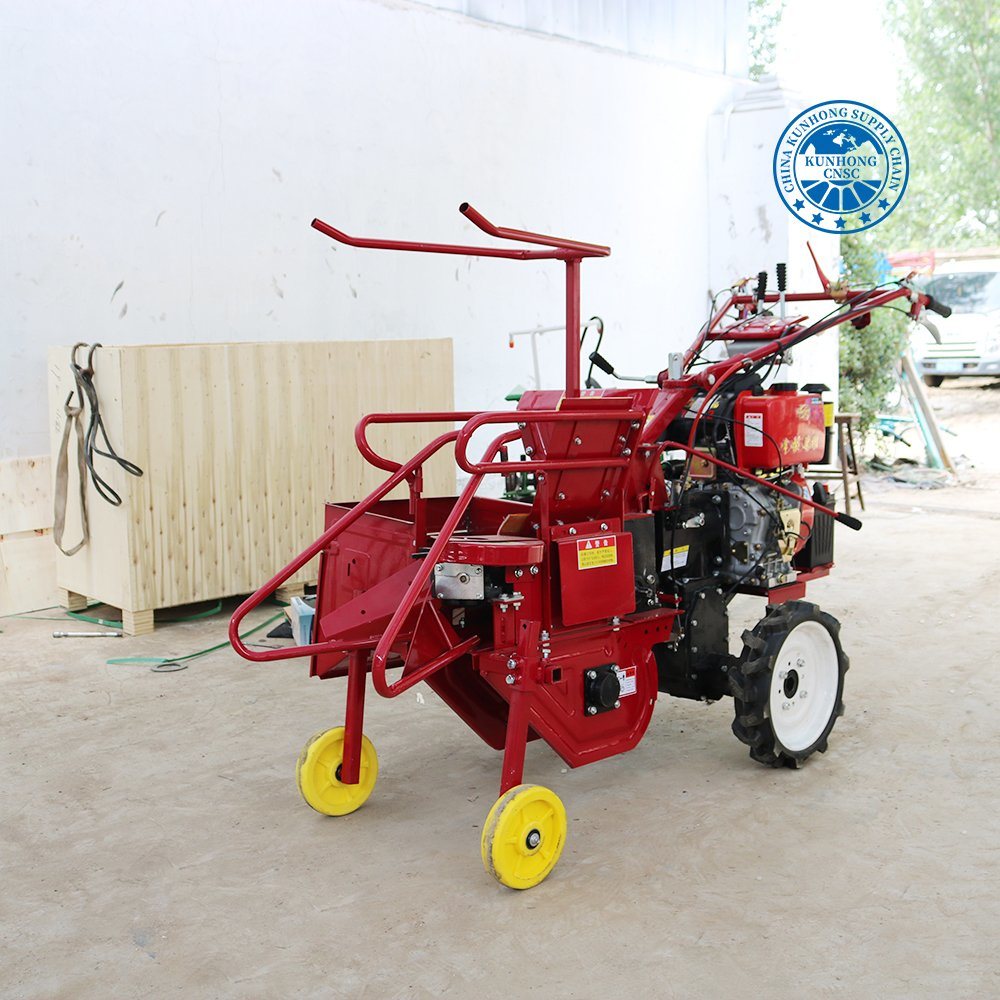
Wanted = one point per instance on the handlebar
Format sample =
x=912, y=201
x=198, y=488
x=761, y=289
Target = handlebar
x=558, y=247
x=936, y=306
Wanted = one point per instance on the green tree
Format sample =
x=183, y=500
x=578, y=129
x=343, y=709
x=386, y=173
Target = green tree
x=868, y=357
x=949, y=115
x=764, y=18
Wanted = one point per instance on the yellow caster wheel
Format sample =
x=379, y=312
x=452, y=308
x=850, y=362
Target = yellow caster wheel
x=318, y=774
x=524, y=836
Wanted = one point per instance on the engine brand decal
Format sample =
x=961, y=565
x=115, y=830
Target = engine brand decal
x=841, y=166
x=753, y=430
x=674, y=558
x=626, y=680
x=594, y=552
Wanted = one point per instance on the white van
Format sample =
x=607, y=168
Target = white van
x=967, y=342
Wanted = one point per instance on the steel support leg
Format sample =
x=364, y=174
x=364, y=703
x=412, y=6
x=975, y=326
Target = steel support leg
x=354, y=721
x=516, y=742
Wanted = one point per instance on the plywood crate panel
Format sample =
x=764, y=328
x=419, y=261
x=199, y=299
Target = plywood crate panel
x=241, y=445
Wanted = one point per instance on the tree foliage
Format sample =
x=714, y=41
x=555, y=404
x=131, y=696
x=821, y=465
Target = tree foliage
x=764, y=18
x=949, y=116
x=868, y=357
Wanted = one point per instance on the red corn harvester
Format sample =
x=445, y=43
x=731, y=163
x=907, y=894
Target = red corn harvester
x=562, y=615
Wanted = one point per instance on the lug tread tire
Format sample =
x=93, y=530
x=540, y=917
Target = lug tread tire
x=750, y=683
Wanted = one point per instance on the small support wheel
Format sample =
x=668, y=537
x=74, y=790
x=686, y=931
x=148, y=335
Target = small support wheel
x=788, y=685
x=318, y=774
x=523, y=836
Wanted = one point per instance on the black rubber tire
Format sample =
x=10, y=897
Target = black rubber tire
x=934, y=381
x=750, y=683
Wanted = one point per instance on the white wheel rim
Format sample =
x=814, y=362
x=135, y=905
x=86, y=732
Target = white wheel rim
x=804, y=686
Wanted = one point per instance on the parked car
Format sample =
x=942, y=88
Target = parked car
x=968, y=342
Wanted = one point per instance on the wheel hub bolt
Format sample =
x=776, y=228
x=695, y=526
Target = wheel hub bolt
x=786, y=706
x=533, y=839
x=802, y=694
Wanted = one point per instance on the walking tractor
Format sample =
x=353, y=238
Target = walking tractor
x=563, y=614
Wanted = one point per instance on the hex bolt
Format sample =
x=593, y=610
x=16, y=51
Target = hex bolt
x=534, y=571
x=529, y=450
x=622, y=438
x=635, y=425
x=716, y=498
x=616, y=621
x=701, y=595
x=577, y=440
x=440, y=597
x=560, y=495
x=626, y=452
x=509, y=678
x=605, y=494
x=572, y=531
x=782, y=674
x=519, y=573
x=479, y=571
x=800, y=662
x=694, y=623
x=520, y=426
x=463, y=577
x=650, y=578
x=618, y=704
x=591, y=710
x=694, y=649
x=439, y=568
x=511, y=663
x=592, y=674
x=718, y=590
x=786, y=706
x=545, y=635
x=803, y=694
x=604, y=526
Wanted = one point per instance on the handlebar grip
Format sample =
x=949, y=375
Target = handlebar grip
x=761, y=285
x=851, y=522
x=782, y=270
x=939, y=307
x=602, y=363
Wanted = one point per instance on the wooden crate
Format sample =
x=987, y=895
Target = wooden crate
x=27, y=555
x=241, y=445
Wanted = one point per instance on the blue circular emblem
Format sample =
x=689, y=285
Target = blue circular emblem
x=841, y=166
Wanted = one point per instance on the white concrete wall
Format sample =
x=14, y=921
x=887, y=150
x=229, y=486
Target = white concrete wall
x=179, y=149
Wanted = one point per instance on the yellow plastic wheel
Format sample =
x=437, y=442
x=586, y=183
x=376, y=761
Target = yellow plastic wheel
x=524, y=836
x=318, y=774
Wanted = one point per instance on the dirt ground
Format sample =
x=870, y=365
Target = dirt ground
x=153, y=843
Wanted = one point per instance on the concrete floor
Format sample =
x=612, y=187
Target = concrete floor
x=153, y=843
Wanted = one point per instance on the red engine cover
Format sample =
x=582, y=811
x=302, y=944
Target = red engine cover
x=781, y=427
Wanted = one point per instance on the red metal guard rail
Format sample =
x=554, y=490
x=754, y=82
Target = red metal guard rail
x=260, y=595
x=523, y=417
x=406, y=605
x=388, y=464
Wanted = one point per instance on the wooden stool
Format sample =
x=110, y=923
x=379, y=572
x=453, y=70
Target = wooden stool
x=847, y=471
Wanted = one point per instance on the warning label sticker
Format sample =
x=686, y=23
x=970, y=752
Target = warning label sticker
x=626, y=680
x=753, y=430
x=594, y=552
x=674, y=558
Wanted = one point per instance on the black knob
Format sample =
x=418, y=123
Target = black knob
x=761, y=284
x=782, y=270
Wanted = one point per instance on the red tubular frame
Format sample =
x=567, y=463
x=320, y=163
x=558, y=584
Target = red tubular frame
x=570, y=251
